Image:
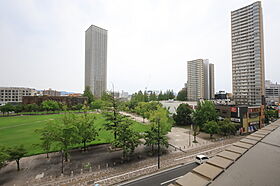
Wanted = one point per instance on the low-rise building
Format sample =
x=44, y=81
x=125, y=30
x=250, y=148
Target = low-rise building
x=250, y=118
x=272, y=92
x=14, y=94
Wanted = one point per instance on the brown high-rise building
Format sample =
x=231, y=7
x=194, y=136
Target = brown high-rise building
x=248, y=55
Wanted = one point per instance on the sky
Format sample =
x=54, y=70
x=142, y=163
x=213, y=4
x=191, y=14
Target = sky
x=42, y=43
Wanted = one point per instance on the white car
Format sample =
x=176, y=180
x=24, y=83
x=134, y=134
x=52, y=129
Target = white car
x=201, y=159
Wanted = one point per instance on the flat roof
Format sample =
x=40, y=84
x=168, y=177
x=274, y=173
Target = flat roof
x=255, y=160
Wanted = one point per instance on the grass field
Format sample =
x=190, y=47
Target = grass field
x=21, y=130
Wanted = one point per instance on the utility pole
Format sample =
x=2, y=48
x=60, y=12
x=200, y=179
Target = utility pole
x=158, y=145
x=62, y=161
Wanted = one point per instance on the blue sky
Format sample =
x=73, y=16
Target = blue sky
x=149, y=42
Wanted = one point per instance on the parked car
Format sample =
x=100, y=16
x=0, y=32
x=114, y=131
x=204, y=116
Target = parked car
x=201, y=159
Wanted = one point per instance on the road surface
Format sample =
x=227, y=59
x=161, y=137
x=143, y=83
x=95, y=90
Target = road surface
x=162, y=178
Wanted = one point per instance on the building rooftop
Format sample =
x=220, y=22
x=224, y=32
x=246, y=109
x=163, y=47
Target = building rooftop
x=254, y=160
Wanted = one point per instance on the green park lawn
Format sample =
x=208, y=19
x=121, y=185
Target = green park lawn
x=18, y=130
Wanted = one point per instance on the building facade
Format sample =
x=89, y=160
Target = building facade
x=248, y=55
x=96, y=60
x=14, y=94
x=272, y=92
x=249, y=118
x=51, y=92
x=200, y=84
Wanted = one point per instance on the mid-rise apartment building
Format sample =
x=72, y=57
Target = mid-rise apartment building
x=272, y=92
x=96, y=60
x=14, y=94
x=200, y=83
x=248, y=55
x=51, y=92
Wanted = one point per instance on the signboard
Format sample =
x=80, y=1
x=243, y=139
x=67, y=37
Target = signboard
x=233, y=109
x=235, y=120
x=254, y=123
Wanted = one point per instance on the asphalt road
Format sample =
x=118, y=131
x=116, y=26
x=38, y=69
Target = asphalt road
x=162, y=178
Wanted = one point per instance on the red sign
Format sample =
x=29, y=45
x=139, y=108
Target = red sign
x=233, y=109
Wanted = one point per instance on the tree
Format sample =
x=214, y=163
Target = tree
x=87, y=93
x=16, y=153
x=153, y=96
x=161, y=116
x=19, y=108
x=127, y=139
x=112, y=116
x=142, y=110
x=47, y=137
x=211, y=127
x=182, y=95
x=4, y=156
x=66, y=133
x=155, y=135
x=86, y=129
x=50, y=105
x=226, y=127
x=205, y=112
x=270, y=115
x=7, y=108
x=183, y=115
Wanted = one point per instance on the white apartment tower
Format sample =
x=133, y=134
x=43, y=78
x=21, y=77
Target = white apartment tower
x=96, y=60
x=200, y=84
x=248, y=77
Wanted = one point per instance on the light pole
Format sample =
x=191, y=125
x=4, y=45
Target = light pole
x=158, y=145
x=62, y=161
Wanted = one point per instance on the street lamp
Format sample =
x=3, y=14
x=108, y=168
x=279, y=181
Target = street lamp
x=158, y=145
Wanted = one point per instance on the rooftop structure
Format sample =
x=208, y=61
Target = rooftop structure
x=254, y=160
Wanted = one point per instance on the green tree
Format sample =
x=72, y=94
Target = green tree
x=270, y=114
x=205, y=112
x=142, y=110
x=47, y=136
x=127, y=139
x=112, y=116
x=226, y=127
x=50, y=105
x=183, y=115
x=211, y=127
x=16, y=153
x=87, y=131
x=4, y=156
x=182, y=95
x=19, y=108
x=7, y=108
x=155, y=135
x=66, y=133
x=153, y=96
x=87, y=93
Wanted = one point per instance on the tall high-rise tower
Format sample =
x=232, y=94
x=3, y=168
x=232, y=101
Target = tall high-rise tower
x=247, y=54
x=96, y=60
x=200, y=83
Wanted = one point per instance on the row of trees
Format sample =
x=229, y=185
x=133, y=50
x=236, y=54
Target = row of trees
x=152, y=96
x=48, y=105
x=204, y=118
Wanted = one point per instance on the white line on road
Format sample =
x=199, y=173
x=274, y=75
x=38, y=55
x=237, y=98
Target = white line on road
x=163, y=183
x=156, y=165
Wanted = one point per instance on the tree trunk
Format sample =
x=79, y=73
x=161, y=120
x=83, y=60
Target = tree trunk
x=211, y=136
x=17, y=160
x=84, y=145
x=47, y=155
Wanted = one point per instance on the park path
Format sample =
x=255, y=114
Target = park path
x=135, y=117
